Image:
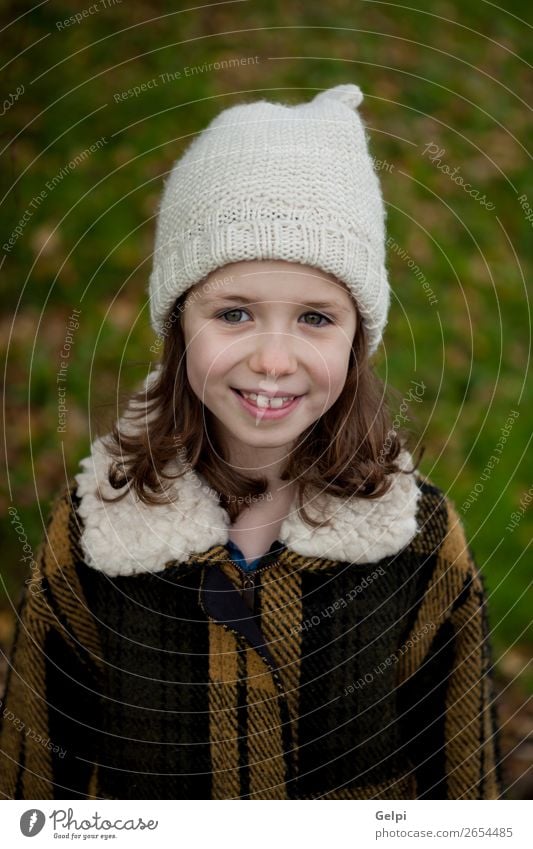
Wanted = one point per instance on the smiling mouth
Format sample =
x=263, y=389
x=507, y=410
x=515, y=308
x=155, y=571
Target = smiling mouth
x=265, y=402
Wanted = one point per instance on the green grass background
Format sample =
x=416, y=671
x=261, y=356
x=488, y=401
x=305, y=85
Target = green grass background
x=450, y=73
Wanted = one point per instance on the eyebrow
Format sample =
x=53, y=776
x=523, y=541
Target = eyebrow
x=321, y=305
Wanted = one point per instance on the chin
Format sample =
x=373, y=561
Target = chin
x=259, y=438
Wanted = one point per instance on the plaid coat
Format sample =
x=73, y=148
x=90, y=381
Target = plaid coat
x=354, y=664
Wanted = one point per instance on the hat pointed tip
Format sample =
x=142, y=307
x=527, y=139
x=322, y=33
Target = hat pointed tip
x=348, y=93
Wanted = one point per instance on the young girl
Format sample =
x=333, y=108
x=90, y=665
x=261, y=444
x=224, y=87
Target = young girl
x=249, y=592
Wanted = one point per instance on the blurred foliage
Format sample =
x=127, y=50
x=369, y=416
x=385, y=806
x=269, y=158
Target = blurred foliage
x=452, y=75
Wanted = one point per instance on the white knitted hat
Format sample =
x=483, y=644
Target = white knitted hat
x=270, y=181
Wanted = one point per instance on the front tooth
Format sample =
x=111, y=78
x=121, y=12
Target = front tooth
x=264, y=401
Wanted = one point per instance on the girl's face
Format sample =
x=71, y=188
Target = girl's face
x=272, y=328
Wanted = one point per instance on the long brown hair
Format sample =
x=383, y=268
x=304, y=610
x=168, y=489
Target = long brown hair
x=350, y=451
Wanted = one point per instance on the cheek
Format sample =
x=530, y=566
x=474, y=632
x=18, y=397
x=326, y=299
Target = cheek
x=207, y=362
x=197, y=366
x=330, y=371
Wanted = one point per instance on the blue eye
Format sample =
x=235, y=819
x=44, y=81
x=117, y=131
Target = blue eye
x=319, y=314
x=229, y=312
x=239, y=310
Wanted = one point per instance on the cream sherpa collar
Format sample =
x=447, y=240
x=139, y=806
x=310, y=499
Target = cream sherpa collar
x=129, y=537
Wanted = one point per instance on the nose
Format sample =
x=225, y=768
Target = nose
x=273, y=354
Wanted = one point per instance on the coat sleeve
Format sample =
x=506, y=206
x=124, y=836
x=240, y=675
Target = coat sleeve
x=446, y=697
x=49, y=706
x=472, y=733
